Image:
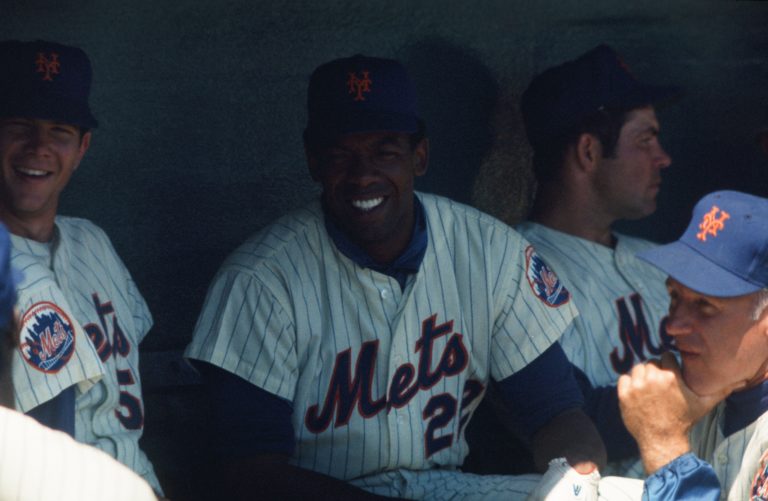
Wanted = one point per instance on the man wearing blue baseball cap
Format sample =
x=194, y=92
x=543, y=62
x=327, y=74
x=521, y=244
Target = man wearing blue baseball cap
x=81, y=314
x=28, y=449
x=712, y=407
x=597, y=159
x=347, y=345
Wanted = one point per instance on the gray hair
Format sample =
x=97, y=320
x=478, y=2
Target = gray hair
x=761, y=302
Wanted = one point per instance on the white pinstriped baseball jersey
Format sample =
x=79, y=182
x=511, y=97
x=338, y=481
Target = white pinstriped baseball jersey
x=740, y=460
x=621, y=300
x=382, y=380
x=737, y=459
x=55, y=353
x=100, y=299
x=40, y=464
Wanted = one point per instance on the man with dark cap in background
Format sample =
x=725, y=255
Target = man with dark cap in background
x=597, y=159
x=347, y=345
x=82, y=317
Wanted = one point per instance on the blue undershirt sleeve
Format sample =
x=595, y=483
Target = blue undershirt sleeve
x=601, y=403
x=541, y=390
x=686, y=478
x=57, y=413
x=246, y=419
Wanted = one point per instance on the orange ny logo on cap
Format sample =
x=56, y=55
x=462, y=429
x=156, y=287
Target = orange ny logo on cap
x=711, y=224
x=359, y=85
x=48, y=66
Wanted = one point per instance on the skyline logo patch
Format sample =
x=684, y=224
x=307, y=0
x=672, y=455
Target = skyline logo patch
x=47, y=337
x=543, y=281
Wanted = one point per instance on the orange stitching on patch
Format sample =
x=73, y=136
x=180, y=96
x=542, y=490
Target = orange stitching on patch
x=49, y=67
x=359, y=85
x=711, y=224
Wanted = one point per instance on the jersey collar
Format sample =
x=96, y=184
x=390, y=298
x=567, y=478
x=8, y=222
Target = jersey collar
x=744, y=407
x=406, y=264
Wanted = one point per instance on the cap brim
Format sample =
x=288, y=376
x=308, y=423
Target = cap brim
x=363, y=121
x=56, y=108
x=693, y=270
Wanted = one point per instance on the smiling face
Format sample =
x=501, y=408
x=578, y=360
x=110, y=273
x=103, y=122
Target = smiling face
x=720, y=343
x=628, y=182
x=37, y=159
x=367, y=181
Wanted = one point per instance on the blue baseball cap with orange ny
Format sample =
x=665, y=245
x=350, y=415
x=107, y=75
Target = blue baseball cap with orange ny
x=10, y=277
x=724, y=250
x=361, y=94
x=45, y=80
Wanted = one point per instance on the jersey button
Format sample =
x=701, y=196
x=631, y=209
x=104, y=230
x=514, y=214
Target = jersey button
x=384, y=293
x=723, y=459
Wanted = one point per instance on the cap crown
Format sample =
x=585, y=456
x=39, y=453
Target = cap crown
x=730, y=229
x=361, y=94
x=45, y=80
x=562, y=97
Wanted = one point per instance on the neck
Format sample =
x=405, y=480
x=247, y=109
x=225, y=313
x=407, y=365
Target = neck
x=38, y=228
x=570, y=212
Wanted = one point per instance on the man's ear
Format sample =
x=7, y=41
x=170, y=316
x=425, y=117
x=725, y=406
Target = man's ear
x=421, y=153
x=85, y=143
x=589, y=151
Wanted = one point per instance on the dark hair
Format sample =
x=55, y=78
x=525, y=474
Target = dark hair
x=605, y=125
x=318, y=141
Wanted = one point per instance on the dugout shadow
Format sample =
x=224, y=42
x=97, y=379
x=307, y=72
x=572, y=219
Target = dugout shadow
x=457, y=94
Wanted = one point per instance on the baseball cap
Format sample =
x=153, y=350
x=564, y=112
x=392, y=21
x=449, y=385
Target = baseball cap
x=361, y=94
x=561, y=97
x=724, y=250
x=45, y=80
x=9, y=279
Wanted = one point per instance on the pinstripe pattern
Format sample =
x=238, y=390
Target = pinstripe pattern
x=33, y=387
x=40, y=464
x=598, y=277
x=736, y=459
x=83, y=268
x=286, y=305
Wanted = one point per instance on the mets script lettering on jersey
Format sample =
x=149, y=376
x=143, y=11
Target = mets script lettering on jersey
x=133, y=416
x=347, y=392
x=48, y=339
x=634, y=335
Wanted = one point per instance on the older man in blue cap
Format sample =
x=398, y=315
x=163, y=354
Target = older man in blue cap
x=702, y=426
x=348, y=344
x=82, y=317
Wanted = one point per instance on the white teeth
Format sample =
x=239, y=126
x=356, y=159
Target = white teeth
x=31, y=172
x=367, y=204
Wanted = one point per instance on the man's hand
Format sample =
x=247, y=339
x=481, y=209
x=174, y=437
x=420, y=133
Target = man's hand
x=659, y=409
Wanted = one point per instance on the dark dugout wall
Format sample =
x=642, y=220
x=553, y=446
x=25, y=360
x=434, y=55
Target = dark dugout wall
x=201, y=107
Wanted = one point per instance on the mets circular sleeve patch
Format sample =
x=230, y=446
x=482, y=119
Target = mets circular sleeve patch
x=47, y=337
x=759, y=489
x=543, y=281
